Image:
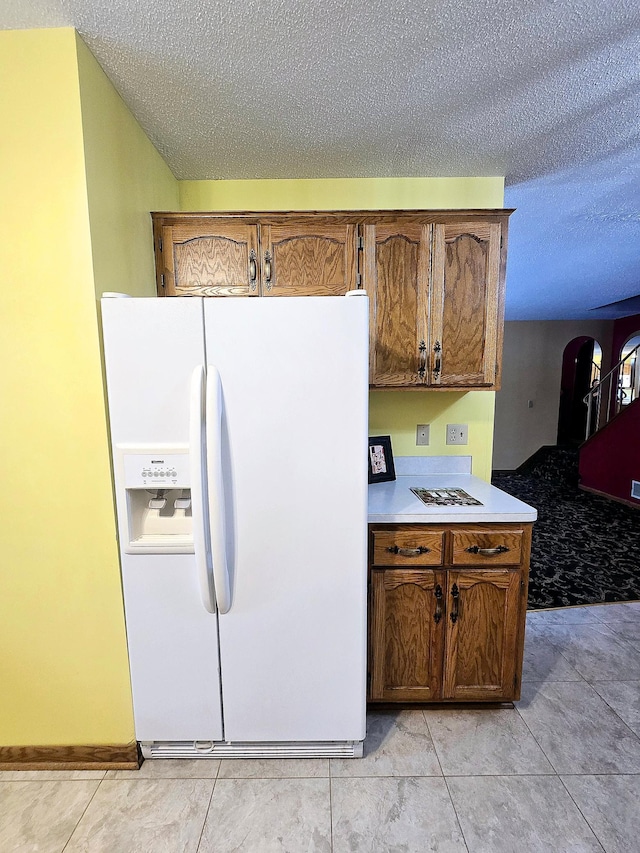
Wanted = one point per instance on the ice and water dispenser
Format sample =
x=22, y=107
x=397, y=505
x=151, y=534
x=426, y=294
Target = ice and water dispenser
x=157, y=490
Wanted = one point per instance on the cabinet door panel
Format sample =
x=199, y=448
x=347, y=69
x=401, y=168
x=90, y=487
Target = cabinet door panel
x=308, y=260
x=406, y=635
x=397, y=260
x=220, y=259
x=482, y=634
x=464, y=304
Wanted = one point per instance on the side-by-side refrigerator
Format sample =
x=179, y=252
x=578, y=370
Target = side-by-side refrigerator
x=239, y=439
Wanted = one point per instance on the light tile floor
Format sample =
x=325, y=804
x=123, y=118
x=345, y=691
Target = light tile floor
x=559, y=772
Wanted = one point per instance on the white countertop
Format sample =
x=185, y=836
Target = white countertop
x=395, y=503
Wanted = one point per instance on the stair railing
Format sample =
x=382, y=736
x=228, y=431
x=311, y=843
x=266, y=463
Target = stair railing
x=599, y=415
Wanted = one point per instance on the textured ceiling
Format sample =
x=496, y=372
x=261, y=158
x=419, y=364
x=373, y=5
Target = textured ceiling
x=546, y=93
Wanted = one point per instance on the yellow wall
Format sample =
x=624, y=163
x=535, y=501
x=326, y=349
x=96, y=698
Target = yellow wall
x=63, y=662
x=343, y=194
x=395, y=413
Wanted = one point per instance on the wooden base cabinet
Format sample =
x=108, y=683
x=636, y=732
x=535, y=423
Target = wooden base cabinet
x=454, y=632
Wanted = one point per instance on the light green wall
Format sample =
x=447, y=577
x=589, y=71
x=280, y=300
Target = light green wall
x=126, y=179
x=395, y=413
x=343, y=194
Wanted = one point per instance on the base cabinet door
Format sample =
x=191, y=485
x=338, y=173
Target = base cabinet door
x=407, y=622
x=484, y=610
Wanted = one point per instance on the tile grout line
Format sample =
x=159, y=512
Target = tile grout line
x=330, y=809
x=551, y=764
x=446, y=783
x=557, y=773
x=206, y=814
x=584, y=817
x=84, y=811
x=613, y=710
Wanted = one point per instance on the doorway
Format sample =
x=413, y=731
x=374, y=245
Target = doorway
x=581, y=368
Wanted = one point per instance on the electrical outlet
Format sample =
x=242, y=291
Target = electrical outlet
x=422, y=435
x=457, y=434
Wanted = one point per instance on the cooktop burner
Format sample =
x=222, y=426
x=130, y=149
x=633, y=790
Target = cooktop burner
x=445, y=497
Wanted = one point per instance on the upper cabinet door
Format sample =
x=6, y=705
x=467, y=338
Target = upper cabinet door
x=214, y=258
x=466, y=304
x=309, y=259
x=396, y=276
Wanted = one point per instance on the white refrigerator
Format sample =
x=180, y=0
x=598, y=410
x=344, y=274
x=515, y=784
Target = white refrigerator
x=239, y=441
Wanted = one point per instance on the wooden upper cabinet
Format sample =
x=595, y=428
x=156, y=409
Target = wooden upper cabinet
x=216, y=258
x=396, y=277
x=318, y=259
x=464, y=314
x=435, y=279
x=437, y=298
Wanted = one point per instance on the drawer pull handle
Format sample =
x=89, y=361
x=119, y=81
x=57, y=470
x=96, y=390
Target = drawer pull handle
x=455, y=594
x=437, y=616
x=408, y=552
x=487, y=552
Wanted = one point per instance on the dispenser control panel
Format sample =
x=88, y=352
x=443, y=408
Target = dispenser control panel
x=160, y=469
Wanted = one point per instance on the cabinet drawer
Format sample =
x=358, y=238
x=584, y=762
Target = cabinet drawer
x=486, y=547
x=407, y=547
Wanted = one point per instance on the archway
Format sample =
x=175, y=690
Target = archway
x=581, y=365
x=629, y=373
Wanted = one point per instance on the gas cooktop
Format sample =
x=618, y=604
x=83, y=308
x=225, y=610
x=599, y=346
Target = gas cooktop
x=445, y=497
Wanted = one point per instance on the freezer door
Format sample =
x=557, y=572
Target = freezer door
x=152, y=348
x=292, y=444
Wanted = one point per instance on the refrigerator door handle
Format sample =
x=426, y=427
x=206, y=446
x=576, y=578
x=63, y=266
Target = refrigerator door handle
x=198, y=492
x=215, y=489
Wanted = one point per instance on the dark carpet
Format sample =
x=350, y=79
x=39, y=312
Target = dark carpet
x=585, y=548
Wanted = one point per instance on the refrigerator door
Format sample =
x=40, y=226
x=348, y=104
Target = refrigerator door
x=293, y=444
x=152, y=350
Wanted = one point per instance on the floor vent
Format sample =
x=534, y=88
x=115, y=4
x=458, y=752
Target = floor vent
x=209, y=749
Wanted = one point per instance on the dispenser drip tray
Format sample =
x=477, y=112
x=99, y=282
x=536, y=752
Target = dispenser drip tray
x=445, y=497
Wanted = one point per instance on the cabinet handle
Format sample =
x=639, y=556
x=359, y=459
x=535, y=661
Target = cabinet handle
x=487, y=552
x=268, y=268
x=437, y=616
x=437, y=367
x=455, y=594
x=408, y=552
x=422, y=350
x=253, y=269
